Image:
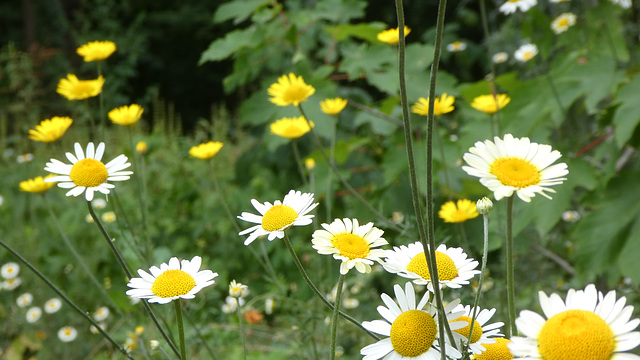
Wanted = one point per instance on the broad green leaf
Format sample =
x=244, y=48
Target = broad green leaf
x=364, y=31
x=628, y=262
x=232, y=42
x=627, y=116
x=339, y=11
x=239, y=10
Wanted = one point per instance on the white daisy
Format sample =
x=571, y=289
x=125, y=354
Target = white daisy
x=101, y=314
x=87, y=173
x=67, y=334
x=275, y=219
x=454, y=269
x=351, y=243
x=176, y=280
x=411, y=329
x=499, y=58
x=512, y=6
x=52, y=305
x=526, y=52
x=456, y=46
x=623, y=3
x=11, y=284
x=24, y=300
x=515, y=165
x=33, y=314
x=10, y=270
x=482, y=334
x=238, y=290
x=563, y=22
x=588, y=325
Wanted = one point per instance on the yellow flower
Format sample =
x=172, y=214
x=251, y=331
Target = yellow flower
x=206, y=151
x=141, y=147
x=462, y=211
x=126, y=115
x=441, y=105
x=490, y=105
x=310, y=164
x=333, y=106
x=290, y=90
x=291, y=128
x=36, y=185
x=74, y=89
x=50, y=130
x=392, y=36
x=96, y=50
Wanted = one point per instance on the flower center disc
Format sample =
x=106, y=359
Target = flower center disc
x=351, y=246
x=279, y=217
x=88, y=173
x=563, y=22
x=413, y=333
x=173, y=283
x=446, y=267
x=477, y=329
x=294, y=93
x=515, y=172
x=496, y=351
x=576, y=334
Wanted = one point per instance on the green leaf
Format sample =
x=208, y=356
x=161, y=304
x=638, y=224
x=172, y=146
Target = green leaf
x=627, y=117
x=628, y=260
x=238, y=10
x=227, y=46
x=364, y=31
x=339, y=11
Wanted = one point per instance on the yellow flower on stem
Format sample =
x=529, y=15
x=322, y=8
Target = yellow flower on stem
x=461, y=211
x=206, y=151
x=96, y=50
x=74, y=89
x=489, y=104
x=50, y=130
x=290, y=90
x=36, y=185
x=333, y=106
x=141, y=147
x=291, y=128
x=392, y=36
x=441, y=105
x=126, y=115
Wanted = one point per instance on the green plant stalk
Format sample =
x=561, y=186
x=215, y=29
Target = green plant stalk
x=328, y=199
x=445, y=168
x=511, y=293
x=200, y=336
x=483, y=268
x=241, y=330
x=315, y=289
x=92, y=123
x=334, y=317
x=344, y=182
x=298, y=160
x=183, y=351
x=75, y=307
x=125, y=268
x=142, y=199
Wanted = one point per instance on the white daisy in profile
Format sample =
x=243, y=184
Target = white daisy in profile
x=52, y=305
x=67, y=334
x=499, y=58
x=512, y=6
x=87, y=173
x=10, y=270
x=515, y=165
x=411, y=329
x=454, y=268
x=350, y=242
x=238, y=290
x=456, y=46
x=526, y=52
x=24, y=300
x=275, y=219
x=483, y=333
x=33, y=314
x=563, y=22
x=588, y=325
x=176, y=280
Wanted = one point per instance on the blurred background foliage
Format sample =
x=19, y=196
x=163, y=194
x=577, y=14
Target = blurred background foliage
x=201, y=70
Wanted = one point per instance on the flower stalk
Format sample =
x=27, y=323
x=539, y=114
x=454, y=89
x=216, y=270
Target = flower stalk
x=178, y=306
x=334, y=318
x=511, y=293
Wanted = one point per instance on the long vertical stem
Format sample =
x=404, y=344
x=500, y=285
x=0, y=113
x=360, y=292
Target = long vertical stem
x=241, y=329
x=298, y=160
x=183, y=351
x=511, y=293
x=485, y=252
x=334, y=318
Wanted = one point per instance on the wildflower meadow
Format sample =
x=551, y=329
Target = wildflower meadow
x=330, y=179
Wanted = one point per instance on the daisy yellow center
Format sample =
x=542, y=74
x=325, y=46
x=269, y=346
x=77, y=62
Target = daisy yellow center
x=528, y=55
x=279, y=217
x=477, y=329
x=173, y=283
x=88, y=173
x=576, y=334
x=413, y=333
x=446, y=267
x=351, y=245
x=563, y=22
x=295, y=92
x=496, y=351
x=515, y=172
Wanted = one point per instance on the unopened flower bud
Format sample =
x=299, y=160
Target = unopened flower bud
x=484, y=205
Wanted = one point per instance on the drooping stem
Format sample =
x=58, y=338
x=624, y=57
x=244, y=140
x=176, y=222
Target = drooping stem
x=183, y=351
x=334, y=318
x=511, y=293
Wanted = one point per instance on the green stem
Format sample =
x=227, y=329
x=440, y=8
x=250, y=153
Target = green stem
x=241, y=330
x=445, y=168
x=298, y=160
x=334, y=318
x=315, y=289
x=82, y=313
x=511, y=294
x=183, y=351
x=485, y=252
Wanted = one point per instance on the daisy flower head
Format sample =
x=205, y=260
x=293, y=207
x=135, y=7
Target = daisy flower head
x=11, y=284
x=36, y=185
x=587, y=325
x=392, y=36
x=175, y=280
x=333, y=106
x=350, y=242
x=50, y=130
x=511, y=6
x=482, y=334
x=67, y=334
x=410, y=329
x=96, y=50
x=291, y=128
x=441, y=105
x=126, y=115
x=498, y=350
x=52, y=305
x=24, y=300
x=518, y=165
x=87, y=173
x=33, y=314
x=206, y=151
x=625, y=4
x=460, y=211
x=290, y=90
x=101, y=314
x=454, y=268
x=526, y=52
x=563, y=22
x=456, y=46
x=238, y=290
x=74, y=89
x=275, y=218
x=10, y=270
x=489, y=104
x=499, y=58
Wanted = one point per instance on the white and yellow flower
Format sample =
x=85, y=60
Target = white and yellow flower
x=67, y=334
x=24, y=300
x=10, y=270
x=483, y=333
x=563, y=22
x=526, y=52
x=275, y=218
x=238, y=290
x=52, y=305
x=511, y=6
x=33, y=314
